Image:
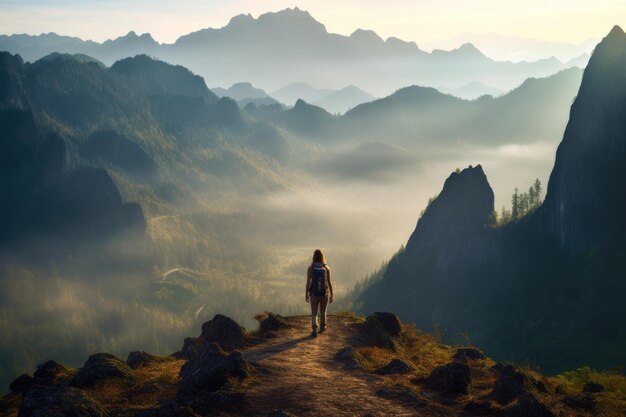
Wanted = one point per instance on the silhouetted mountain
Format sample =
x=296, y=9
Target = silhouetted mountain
x=244, y=93
x=422, y=114
x=156, y=77
x=304, y=118
x=553, y=275
x=341, y=101
x=77, y=117
x=240, y=91
x=515, y=48
x=585, y=204
x=291, y=46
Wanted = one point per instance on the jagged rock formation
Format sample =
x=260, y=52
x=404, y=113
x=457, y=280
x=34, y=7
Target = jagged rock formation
x=290, y=374
x=546, y=276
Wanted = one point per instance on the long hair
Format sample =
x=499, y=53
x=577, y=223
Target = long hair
x=318, y=256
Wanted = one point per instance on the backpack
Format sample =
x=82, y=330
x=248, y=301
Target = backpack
x=319, y=283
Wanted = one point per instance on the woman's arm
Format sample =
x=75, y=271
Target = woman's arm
x=330, y=286
x=308, y=285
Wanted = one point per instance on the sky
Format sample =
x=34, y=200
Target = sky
x=571, y=21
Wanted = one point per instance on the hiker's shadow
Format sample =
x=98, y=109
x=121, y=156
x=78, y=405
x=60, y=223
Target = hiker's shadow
x=269, y=351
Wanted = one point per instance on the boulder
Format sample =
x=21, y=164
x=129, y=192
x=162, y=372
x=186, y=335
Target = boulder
x=510, y=384
x=100, y=367
x=271, y=322
x=209, y=371
x=468, y=354
x=60, y=401
x=51, y=372
x=527, y=405
x=224, y=331
x=191, y=346
x=139, y=359
x=348, y=356
x=453, y=378
x=384, y=328
x=395, y=366
x=592, y=388
x=21, y=383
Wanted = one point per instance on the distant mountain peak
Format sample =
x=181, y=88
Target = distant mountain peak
x=366, y=35
x=469, y=49
x=616, y=31
x=240, y=18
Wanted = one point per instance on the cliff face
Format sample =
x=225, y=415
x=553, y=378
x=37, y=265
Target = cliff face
x=585, y=202
x=556, y=275
x=453, y=237
x=455, y=222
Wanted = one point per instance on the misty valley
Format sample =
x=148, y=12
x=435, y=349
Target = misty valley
x=138, y=203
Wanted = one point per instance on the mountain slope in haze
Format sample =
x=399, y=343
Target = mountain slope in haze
x=245, y=93
x=290, y=93
x=142, y=120
x=548, y=287
x=341, y=101
x=377, y=366
x=515, y=48
x=415, y=116
x=291, y=46
x=471, y=91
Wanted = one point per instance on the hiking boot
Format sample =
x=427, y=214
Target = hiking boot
x=314, y=333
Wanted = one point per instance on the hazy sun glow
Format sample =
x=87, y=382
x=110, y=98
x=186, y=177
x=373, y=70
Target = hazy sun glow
x=426, y=20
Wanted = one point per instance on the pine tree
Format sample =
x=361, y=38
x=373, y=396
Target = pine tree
x=515, y=205
x=538, y=191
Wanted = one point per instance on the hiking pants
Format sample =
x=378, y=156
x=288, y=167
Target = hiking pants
x=320, y=302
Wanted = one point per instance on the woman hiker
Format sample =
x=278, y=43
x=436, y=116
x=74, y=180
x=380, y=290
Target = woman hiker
x=319, y=290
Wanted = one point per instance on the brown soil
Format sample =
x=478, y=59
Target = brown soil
x=298, y=374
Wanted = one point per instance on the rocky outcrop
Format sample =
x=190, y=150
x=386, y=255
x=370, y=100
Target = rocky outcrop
x=383, y=328
x=512, y=384
x=224, y=331
x=210, y=370
x=60, y=401
x=139, y=359
x=221, y=330
x=98, y=368
x=395, y=366
x=452, y=378
x=270, y=322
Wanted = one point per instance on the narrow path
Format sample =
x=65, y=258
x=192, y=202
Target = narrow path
x=298, y=375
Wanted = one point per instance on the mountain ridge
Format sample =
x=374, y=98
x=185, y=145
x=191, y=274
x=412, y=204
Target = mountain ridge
x=512, y=278
x=277, y=41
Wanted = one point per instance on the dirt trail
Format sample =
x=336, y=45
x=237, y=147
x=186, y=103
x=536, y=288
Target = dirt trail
x=297, y=374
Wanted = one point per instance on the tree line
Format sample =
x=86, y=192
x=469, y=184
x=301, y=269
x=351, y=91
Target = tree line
x=522, y=204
